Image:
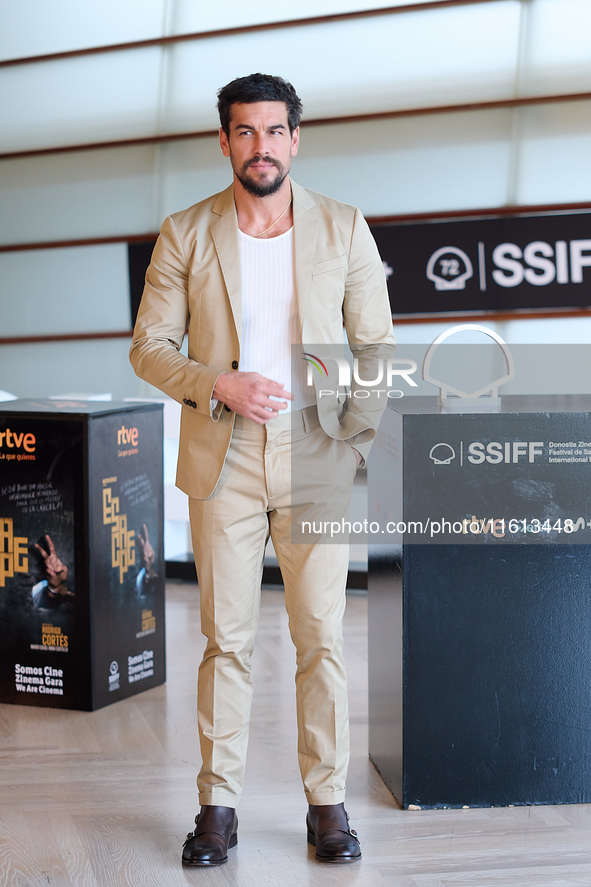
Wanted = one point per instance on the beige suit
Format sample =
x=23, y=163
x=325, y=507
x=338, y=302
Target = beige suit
x=194, y=280
x=237, y=473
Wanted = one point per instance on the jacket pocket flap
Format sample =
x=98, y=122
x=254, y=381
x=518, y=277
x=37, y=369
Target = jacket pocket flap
x=329, y=265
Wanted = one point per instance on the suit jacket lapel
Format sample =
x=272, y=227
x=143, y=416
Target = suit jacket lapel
x=306, y=228
x=224, y=231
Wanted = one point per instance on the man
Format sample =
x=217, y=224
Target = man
x=254, y=271
x=51, y=593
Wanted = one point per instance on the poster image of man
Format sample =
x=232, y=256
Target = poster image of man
x=52, y=593
x=147, y=575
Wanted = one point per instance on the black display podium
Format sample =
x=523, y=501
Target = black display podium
x=81, y=552
x=480, y=603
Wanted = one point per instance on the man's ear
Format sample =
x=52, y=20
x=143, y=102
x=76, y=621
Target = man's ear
x=224, y=143
x=295, y=141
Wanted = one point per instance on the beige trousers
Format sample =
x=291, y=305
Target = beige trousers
x=230, y=530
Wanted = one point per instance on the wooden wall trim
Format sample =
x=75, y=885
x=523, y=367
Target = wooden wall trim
x=372, y=220
x=521, y=101
x=65, y=337
x=243, y=29
x=471, y=316
x=82, y=241
x=398, y=319
x=117, y=143
x=479, y=213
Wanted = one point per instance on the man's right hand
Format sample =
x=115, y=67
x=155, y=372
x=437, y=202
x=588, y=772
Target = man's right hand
x=57, y=572
x=249, y=395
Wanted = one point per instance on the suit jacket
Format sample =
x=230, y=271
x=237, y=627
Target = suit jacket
x=194, y=282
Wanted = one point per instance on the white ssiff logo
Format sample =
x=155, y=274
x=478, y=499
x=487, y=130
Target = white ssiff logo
x=454, y=266
x=495, y=452
x=442, y=454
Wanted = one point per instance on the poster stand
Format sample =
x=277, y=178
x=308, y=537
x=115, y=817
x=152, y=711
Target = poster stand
x=81, y=552
x=479, y=604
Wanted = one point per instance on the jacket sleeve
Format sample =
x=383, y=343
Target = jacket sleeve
x=368, y=322
x=160, y=327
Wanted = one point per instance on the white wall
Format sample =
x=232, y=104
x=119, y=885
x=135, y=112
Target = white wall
x=437, y=162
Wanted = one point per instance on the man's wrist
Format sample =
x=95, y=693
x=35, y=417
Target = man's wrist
x=216, y=394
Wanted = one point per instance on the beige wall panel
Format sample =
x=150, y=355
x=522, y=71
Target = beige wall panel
x=91, y=367
x=554, y=165
x=410, y=165
x=422, y=164
x=189, y=16
x=36, y=27
x=440, y=56
x=385, y=167
x=66, y=196
x=71, y=24
x=190, y=172
x=87, y=99
x=557, y=51
x=55, y=291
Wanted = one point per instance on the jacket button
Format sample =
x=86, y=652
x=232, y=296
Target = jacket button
x=234, y=364
x=185, y=401
x=226, y=407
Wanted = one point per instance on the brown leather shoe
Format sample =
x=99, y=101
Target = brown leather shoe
x=329, y=832
x=216, y=829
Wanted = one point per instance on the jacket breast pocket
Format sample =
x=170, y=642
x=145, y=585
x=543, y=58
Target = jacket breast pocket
x=337, y=264
x=328, y=287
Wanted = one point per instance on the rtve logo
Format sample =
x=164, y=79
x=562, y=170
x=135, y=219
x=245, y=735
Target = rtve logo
x=127, y=436
x=13, y=440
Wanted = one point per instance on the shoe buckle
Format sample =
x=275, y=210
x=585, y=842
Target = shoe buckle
x=192, y=834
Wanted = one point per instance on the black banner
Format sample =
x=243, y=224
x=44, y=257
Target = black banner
x=500, y=264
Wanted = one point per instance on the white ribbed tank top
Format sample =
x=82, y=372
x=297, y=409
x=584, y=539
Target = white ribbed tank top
x=270, y=322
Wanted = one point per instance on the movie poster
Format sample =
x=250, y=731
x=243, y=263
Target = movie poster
x=127, y=557
x=44, y=602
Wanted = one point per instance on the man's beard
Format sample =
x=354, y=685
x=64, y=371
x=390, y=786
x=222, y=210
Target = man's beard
x=264, y=189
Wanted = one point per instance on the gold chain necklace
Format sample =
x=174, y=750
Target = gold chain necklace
x=278, y=219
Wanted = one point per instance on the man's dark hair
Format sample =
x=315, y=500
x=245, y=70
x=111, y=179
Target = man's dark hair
x=259, y=88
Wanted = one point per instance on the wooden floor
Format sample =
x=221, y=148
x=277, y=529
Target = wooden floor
x=105, y=799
